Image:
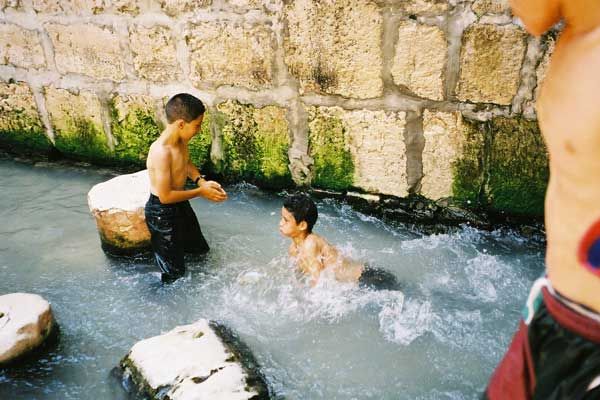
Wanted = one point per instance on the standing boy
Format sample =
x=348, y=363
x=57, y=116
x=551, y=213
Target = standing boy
x=172, y=223
x=555, y=353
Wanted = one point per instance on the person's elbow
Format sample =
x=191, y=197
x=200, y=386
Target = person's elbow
x=537, y=27
x=536, y=19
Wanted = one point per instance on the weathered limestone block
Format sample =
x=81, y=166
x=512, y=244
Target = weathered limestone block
x=360, y=148
x=87, y=49
x=228, y=53
x=70, y=6
x=77, y=123
x=420, y=59
x=255, y=143
x=334, y=47
x=26, y=321
x=421, y=7
x=444, y=141
x=176, y=7
x=517, y=166
x=20, y=47
x=4, y=4
x=154, y=53
x=200, y=361
x=118, y=207
x=491, y=59
x=481, y=7
x=20, y=125
x=134, y=127
x=240, y=6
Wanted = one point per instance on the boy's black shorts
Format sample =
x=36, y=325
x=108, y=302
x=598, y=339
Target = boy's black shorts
x=174, y=231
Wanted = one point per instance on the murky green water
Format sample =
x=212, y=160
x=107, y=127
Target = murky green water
x=438, y=339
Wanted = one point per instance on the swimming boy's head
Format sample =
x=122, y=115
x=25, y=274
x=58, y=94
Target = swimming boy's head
x=185, y=113
x=298, y=215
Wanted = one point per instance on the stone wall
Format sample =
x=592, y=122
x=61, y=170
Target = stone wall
x=388, y=97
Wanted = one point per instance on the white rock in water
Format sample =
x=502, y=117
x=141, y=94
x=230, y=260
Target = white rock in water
x=26, y=321
x=190, y=362
x=118, y=206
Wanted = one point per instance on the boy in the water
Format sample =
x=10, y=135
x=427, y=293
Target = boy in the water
x=555, y=353
x=313, y=254
x=172, y=223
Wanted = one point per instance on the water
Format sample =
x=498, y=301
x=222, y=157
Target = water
x=439, y=338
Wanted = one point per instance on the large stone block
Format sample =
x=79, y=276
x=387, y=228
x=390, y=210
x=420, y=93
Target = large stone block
x=360, y=148
x=26, y=321
x=255, y=143
x=198, y=361
x=444, y=142
x=154, y=53
x=118, y=208
x=87, y=49
x=70, y=6
x=423, y=7
x=334, y=47
x=77, y=123
x=420, y=59
x=134, y=127
x=229, y=53
x=20, y=47
x=20, y=125
x=176, y=7
x=482, y=7
x=490, y=62
x=4, y=4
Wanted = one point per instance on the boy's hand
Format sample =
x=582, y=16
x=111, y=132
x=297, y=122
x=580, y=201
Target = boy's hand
x=212, y=191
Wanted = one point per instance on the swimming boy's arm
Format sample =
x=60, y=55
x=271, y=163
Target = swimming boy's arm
x=161, y=169
x=537, y=15
x=311, y=255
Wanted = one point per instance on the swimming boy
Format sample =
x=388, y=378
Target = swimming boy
x=172, y=223
x=313, y=254
x=555, y=353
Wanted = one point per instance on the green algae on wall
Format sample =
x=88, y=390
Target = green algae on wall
x=255, y=144
x=333, y=166
x=134, y=129
x=82, y=138
x=468, y=169
x=200, y=144
x=517, y=167
x=504, y=166
x=21, y=128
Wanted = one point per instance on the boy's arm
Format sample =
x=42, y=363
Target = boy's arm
x=537, y=15
x=213, y=190
x=161, y=161
x=193, y=173
x=312, y=259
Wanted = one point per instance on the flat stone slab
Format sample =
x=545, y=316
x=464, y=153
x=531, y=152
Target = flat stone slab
x=26, y=321
x=118, y=207
x=200, y=361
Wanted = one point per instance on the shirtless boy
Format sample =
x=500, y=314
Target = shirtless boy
x=313, y=254
x=172, y=223
x=555, y=353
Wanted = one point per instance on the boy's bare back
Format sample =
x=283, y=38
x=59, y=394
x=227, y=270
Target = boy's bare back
x=570, y=122
x=165, y=159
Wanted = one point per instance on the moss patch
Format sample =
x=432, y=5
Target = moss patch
x=333, y=166
x=23, y=133
x=134, y=132
x=200, y=145
x=468, y=170
x=518, y=167
x=255, y=144
x=83, y=139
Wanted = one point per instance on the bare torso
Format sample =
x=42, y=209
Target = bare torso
x=569, y=116
x=179, y=156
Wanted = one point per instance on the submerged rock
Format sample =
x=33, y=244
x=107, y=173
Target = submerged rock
x=26, y=321
x=200, y=361
x=118, y=206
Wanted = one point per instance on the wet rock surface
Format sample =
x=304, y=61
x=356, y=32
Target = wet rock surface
x=204, y=360
x=26, y=322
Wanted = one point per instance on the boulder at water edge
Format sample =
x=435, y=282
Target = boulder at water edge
x=200, y=361
x=118, y=206
x=26, y=322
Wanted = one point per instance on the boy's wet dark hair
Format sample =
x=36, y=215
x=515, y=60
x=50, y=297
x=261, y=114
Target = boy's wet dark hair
x=184, y=106
x=303, y=209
